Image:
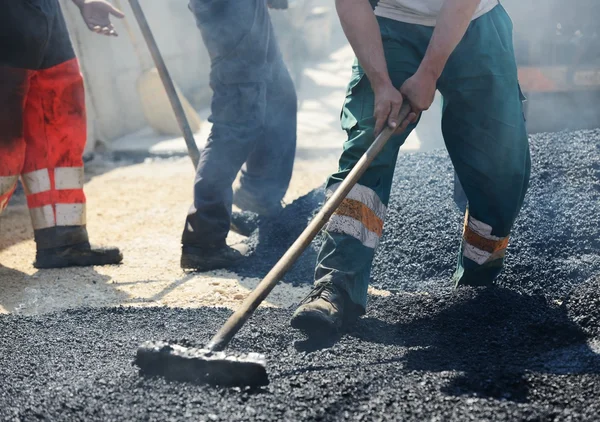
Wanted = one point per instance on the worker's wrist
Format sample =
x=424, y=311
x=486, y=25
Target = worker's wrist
x=379, y=80
x=79, y=3
x=431, y=69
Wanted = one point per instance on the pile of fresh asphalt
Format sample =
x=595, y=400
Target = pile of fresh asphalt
x=475, y=354
x=426, y=352
x=555, y=243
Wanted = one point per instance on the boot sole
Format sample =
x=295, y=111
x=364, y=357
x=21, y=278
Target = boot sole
x=110, y=258
x=314, y=324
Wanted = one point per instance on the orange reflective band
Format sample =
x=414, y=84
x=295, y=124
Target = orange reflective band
x=479, y=244
x=483, y=244
x=360, y=212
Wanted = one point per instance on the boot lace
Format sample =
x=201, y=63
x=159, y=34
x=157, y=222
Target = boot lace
x=321, y=291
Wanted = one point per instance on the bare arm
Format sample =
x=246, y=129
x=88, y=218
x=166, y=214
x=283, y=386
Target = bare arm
x=450, y=28
x=362, y=30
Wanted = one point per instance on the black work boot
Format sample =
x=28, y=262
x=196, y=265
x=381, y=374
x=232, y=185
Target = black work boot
x=80, y=255
x=322, y=311
x=209, y=258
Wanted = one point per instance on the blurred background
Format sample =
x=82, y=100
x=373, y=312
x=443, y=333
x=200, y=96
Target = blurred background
x=557, y=43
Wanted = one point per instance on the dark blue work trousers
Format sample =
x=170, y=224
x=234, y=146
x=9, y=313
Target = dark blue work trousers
x=253, y=112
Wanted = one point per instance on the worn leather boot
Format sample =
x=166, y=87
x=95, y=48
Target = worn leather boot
x=80, y=255
x=210, y=257
x=322, y=312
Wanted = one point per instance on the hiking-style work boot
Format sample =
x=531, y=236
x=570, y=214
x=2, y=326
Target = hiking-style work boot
x=80, y=255
x=322, y=311
x=209, y=258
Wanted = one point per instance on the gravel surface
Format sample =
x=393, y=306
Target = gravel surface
x=425, y=353
x=555, y=243
x=470, y=355
x=274, y=236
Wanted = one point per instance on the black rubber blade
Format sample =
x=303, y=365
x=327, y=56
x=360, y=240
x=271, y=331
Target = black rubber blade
x=189, y=364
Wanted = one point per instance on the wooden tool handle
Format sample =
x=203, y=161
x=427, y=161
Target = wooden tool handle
x=237, y=320
x=184, y=125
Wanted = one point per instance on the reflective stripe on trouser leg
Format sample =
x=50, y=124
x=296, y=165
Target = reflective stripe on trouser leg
x=360, y=215
x=479, y=245
x=58, y=200
x=55, y=133
x=351, y=238
x=485, y=135
x=481, y=254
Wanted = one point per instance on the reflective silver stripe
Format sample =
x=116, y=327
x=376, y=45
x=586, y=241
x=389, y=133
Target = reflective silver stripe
x=36, y=181
x=474, y=254
x=7, y=183
x=354, y=228
x=70, y=214
x=482, y=229
x=68, y=178
x=365, y=195
x=42, y=217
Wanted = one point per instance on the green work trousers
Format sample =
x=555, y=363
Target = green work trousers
x=485, y=135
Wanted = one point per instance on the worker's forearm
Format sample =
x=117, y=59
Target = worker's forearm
x=452, y=23
x=362, y=30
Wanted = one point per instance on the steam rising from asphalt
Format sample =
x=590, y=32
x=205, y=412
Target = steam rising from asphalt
x=559, y=33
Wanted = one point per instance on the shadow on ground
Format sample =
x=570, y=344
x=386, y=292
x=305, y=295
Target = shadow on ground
x=493, y=338
x=52, y=290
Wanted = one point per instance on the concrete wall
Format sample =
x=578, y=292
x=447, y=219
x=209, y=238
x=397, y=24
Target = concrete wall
x=111, y=66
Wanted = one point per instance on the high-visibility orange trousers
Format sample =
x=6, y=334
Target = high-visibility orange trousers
x=43, y=133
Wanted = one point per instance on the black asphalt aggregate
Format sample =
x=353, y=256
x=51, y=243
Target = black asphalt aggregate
x=555, y=242
x=476, y=354
x=528, y=349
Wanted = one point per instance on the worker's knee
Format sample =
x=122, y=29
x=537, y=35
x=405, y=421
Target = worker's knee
x=496, y=196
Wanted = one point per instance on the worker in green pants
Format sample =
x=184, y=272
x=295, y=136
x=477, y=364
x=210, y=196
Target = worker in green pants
x=406, y=49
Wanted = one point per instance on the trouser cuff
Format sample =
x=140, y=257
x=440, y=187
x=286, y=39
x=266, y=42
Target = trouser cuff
x=471, y=274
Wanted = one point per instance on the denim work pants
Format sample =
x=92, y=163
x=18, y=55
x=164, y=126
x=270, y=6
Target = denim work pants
x=253, y=112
